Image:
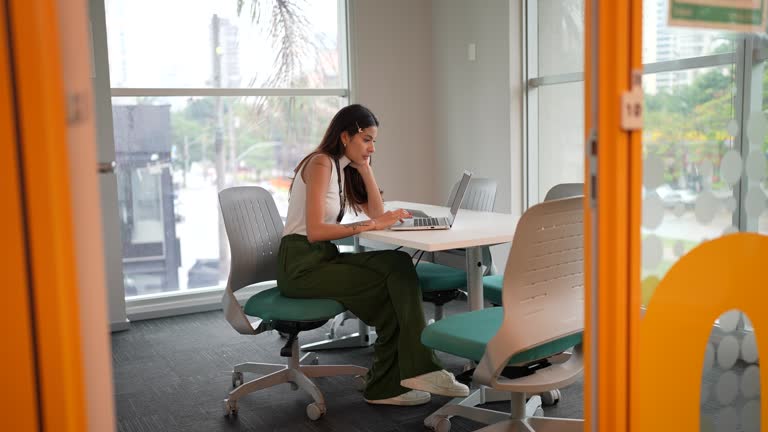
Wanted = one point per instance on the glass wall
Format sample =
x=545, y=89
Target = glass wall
x=554, y=76
x=705, y=172
x=224, y=97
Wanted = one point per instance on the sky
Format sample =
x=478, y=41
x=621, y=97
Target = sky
x=166, y=43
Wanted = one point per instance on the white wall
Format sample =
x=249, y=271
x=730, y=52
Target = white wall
x=440, y=112
x=478, y=104
x=391, y=47
x=472, y=98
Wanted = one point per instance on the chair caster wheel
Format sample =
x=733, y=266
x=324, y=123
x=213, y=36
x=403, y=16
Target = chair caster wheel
x=549, y=398
x=539, y=412
x=315, y=411
x=237, y=379
x=360, y=382
x=230, y=408
x=439, y=424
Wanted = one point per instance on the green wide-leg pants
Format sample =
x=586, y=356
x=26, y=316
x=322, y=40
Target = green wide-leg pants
x=381, y=288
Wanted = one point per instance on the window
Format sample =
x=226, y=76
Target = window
x=555, y=82
x=696, y=85
x=219, y=98
x=705, y=151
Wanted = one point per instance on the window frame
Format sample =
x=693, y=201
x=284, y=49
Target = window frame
x=749, y=60
x=149, y=306
x=747, y=67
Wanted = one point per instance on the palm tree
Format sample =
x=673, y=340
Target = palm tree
x=289, y=32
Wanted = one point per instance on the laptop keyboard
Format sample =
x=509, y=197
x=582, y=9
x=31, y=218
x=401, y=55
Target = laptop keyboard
x=422, y=222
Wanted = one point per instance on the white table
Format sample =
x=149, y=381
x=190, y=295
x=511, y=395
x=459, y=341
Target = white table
x=471, y=231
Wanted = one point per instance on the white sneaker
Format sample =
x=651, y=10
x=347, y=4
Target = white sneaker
x=413, y=397
x=439, y=382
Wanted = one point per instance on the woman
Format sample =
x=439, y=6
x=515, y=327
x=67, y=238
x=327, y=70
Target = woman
x=381, y=287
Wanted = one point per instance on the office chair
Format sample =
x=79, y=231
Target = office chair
x=522, y=347
x=254, y=229
x=441, y=283
x=492, y=285
x=564, y=190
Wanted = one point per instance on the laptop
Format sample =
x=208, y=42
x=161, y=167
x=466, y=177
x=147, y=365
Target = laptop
x=436, y=223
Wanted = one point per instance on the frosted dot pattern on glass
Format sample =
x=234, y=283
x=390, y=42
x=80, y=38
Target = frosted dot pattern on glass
x=749, y=348
x=750, y=416
x=706, y=206
x=754, y=204
x=730, y=389
x=732, y=127
x=727, y=352
x=652, y=252
x=756, y=128
x=756, y=165
x=730, y=167
x=727, y=388
x=750, y=382
x=709, y=357
x=653, y=211
x=653, y=172
x=729, y=320
x=727, y=420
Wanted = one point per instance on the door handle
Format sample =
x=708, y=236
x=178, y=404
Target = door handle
x=107, y=167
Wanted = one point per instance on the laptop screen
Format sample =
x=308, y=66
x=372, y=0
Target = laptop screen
x=459, y=196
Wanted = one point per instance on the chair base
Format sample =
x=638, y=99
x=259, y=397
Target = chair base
x=537, y=424
x=297, y=372
x=365, y=337
x=524, y=416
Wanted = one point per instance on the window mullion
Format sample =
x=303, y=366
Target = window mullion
x=234, y=92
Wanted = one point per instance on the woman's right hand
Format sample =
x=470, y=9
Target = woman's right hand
x=390, y=218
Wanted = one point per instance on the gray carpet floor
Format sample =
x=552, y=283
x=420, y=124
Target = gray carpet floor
x=172, y=374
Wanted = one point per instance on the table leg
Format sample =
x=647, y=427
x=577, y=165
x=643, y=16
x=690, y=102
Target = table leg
x=475, y=277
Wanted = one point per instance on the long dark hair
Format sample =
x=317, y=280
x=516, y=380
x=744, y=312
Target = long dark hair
x=350, y=119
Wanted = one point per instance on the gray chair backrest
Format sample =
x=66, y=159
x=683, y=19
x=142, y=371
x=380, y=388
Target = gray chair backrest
x=480, y=194
x=564, y=190
x=254, y=229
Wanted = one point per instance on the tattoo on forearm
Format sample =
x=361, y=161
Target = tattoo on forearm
x=356, y=225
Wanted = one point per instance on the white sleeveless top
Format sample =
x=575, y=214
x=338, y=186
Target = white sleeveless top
x=296, y=221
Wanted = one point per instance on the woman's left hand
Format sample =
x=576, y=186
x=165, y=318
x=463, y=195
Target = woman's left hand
x=362, y=167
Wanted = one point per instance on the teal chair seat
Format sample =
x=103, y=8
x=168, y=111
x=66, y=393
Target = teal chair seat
x=467, y=334
x=436, y=277
x=492, y=288
x=270, y=305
